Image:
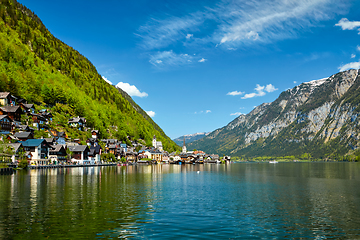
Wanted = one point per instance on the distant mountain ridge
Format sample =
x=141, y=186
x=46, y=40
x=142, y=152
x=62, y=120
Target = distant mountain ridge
x=189, y=138
x=319, y=118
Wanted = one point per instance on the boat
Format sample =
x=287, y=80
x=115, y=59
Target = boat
x=273, y=161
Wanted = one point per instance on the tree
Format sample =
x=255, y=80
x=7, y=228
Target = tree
x=6, y=152
x=23, y=163
x=69, y=154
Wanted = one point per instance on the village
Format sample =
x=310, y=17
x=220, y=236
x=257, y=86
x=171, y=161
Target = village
x=59, y=150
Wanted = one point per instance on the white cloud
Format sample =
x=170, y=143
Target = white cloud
x=150, y=113
x=345, y=24
x=188, y=36
x=131, y=90
x=295, y=82
x=159, y=33
x=235, y=93
x=236, y=23
x=169, y=58
x=268, y=21
x=353, y=55
x=352, y=65
x=270, y=88
x=106, y=80
x=236, y=114
x=259, y=91
x=358, y=48
x=201, y=112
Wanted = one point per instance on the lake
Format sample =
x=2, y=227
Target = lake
x=240, y=200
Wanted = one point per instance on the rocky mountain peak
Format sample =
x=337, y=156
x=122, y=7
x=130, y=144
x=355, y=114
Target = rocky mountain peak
x=307, y=118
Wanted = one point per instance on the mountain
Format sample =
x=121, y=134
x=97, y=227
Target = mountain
x=36, y=66
x=318, y=118
x=189, y=138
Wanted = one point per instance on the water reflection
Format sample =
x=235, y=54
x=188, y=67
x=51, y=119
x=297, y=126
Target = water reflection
x=285, y=200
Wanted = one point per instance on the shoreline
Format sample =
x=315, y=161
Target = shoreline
x=69, y=166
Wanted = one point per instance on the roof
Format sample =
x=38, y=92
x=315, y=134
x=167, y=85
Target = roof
x=4, y=94
x=33, y=142
x=155, y=152
x=28, y=106
x=22, y=134
x=97, y=148
x=10, y=109
x=92, y=152
x=12, y=137
x=49, y=140
x=57, y=148
x=92, y=140
x=78, y=148
x=23, y=127
x=21, y=100
x=5, y=116
x=61, y=134
x=38, y=116
x=76, y=120
x=47, y=115
x=15, y=146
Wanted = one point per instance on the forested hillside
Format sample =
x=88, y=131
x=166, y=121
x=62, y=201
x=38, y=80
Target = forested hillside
x=38, y=67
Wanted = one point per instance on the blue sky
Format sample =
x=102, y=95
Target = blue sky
x=194, y=66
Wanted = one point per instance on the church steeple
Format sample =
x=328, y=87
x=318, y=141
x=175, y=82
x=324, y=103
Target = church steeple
x=154, y=141
x=184, y=147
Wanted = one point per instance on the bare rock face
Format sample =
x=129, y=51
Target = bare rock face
x=317, y=112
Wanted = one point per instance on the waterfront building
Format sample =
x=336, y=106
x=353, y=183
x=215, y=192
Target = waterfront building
x=39, y=150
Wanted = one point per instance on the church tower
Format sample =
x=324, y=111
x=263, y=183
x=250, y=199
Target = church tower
x=184, y=147
x=154, y=142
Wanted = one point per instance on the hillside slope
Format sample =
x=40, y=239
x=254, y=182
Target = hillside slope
x=38, y=67
x=319, y=118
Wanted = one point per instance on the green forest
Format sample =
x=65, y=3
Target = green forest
x=36, y=66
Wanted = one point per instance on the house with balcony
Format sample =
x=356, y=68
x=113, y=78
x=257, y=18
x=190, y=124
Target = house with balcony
x=80, y=154
x=39, y=121
x=77, y=122
x=27, y=108
x=95, y=154
x=13, y=112
x=5, y=124
x=156, y=155
x=39, y=150
x=6, y=99
x=57, y=154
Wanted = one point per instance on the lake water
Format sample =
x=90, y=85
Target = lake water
x=241, y=200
